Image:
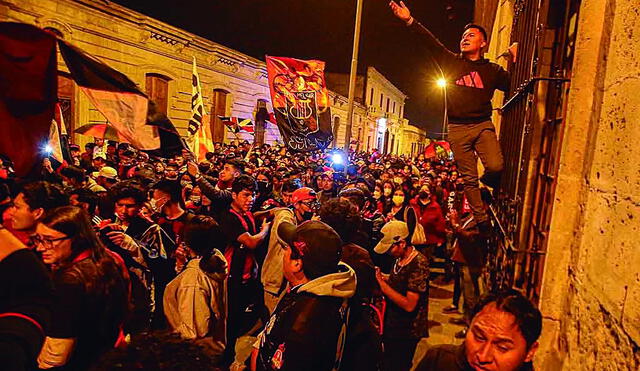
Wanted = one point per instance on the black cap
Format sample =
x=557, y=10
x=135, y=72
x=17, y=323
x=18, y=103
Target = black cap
x=317, y=244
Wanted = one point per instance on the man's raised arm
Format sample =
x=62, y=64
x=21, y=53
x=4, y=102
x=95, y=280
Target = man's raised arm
x=403, y=13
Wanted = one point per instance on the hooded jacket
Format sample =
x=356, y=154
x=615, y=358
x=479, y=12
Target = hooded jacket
x=271, y=275
x=304, y=330
x=195, y=303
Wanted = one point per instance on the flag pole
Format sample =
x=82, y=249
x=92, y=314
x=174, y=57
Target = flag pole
x=352, y=76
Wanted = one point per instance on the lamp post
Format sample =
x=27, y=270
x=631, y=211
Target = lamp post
x=352, y=76
x=442, y=83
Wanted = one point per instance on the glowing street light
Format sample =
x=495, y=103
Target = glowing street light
x=442, y=83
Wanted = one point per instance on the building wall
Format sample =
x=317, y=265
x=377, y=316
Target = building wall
x=591, y=289
x=387, y=117
x=362, y=129
x=591, y=285
x=412, y=140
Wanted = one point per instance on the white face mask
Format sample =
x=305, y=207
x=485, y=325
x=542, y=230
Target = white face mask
x=376, y=194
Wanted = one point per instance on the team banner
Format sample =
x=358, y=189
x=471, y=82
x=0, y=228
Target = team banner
x=300, y=102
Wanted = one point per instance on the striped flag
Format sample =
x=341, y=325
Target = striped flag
x=114, y=95
x=197, y=105
x=246, y=126
x=236, y=124
x=199, y=132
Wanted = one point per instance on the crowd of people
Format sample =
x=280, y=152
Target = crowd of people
x=264, y=258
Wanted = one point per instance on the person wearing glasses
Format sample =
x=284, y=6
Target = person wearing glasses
x=91, y=291
x=30, y=205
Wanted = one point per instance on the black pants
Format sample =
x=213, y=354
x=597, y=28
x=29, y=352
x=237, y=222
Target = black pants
x=457, y=290
x=398, y=353
x=468, y=142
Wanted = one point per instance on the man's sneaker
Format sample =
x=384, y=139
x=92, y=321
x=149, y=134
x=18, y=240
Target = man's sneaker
x=458, y=321
x=452, y=309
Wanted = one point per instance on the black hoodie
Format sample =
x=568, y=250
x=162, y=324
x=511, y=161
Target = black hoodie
x=470, y=84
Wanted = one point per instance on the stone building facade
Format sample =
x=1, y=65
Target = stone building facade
x=158, y=57
x=378, y=117
x=590, y=285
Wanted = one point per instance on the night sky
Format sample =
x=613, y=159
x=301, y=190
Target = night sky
x=323, y=29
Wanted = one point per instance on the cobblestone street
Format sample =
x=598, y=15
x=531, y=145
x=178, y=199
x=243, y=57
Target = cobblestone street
x=441, y=330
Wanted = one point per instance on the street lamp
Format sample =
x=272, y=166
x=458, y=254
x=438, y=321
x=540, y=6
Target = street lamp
x=442, y=83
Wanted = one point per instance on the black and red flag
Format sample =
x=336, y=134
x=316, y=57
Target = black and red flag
x=114, y=95
x=28, y=92
x=300, y=102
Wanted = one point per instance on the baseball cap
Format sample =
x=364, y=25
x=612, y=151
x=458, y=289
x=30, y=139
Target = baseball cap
x=99, y=155
x=317, y=244
x=108, y=172
x=303, y=194
x=393, y=232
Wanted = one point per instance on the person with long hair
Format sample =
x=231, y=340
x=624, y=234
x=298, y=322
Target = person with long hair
x=401, y=209
x=91, y=288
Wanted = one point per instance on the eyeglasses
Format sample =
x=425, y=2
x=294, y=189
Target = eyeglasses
x=47, y=242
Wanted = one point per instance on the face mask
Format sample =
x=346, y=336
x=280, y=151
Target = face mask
x=195, y=199
x=185, y=183
x=376, y=194
x=387, y=192
x=397, y=180
x=398, y=200
x=423, y=195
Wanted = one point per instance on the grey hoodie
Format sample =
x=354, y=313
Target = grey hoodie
x=195, y=304
x=341, y=284
x=272, y=276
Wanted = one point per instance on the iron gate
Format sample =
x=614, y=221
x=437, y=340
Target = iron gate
x=530, y=138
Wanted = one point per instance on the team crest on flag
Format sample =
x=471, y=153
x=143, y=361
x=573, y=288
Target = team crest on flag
x=300, y=102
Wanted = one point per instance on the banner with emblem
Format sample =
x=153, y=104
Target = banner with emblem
x=300, y=102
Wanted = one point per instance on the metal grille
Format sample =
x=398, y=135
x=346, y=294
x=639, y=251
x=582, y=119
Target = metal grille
x=524, y=201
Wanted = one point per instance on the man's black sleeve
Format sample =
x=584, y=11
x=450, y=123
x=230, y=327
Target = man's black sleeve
x=216, y=196
x=439, y=51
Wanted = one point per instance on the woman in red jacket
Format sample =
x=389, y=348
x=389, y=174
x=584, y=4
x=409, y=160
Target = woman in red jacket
x=430, y=215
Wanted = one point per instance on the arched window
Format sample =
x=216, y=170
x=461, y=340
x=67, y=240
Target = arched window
x=157, y=89
x=54, y=31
